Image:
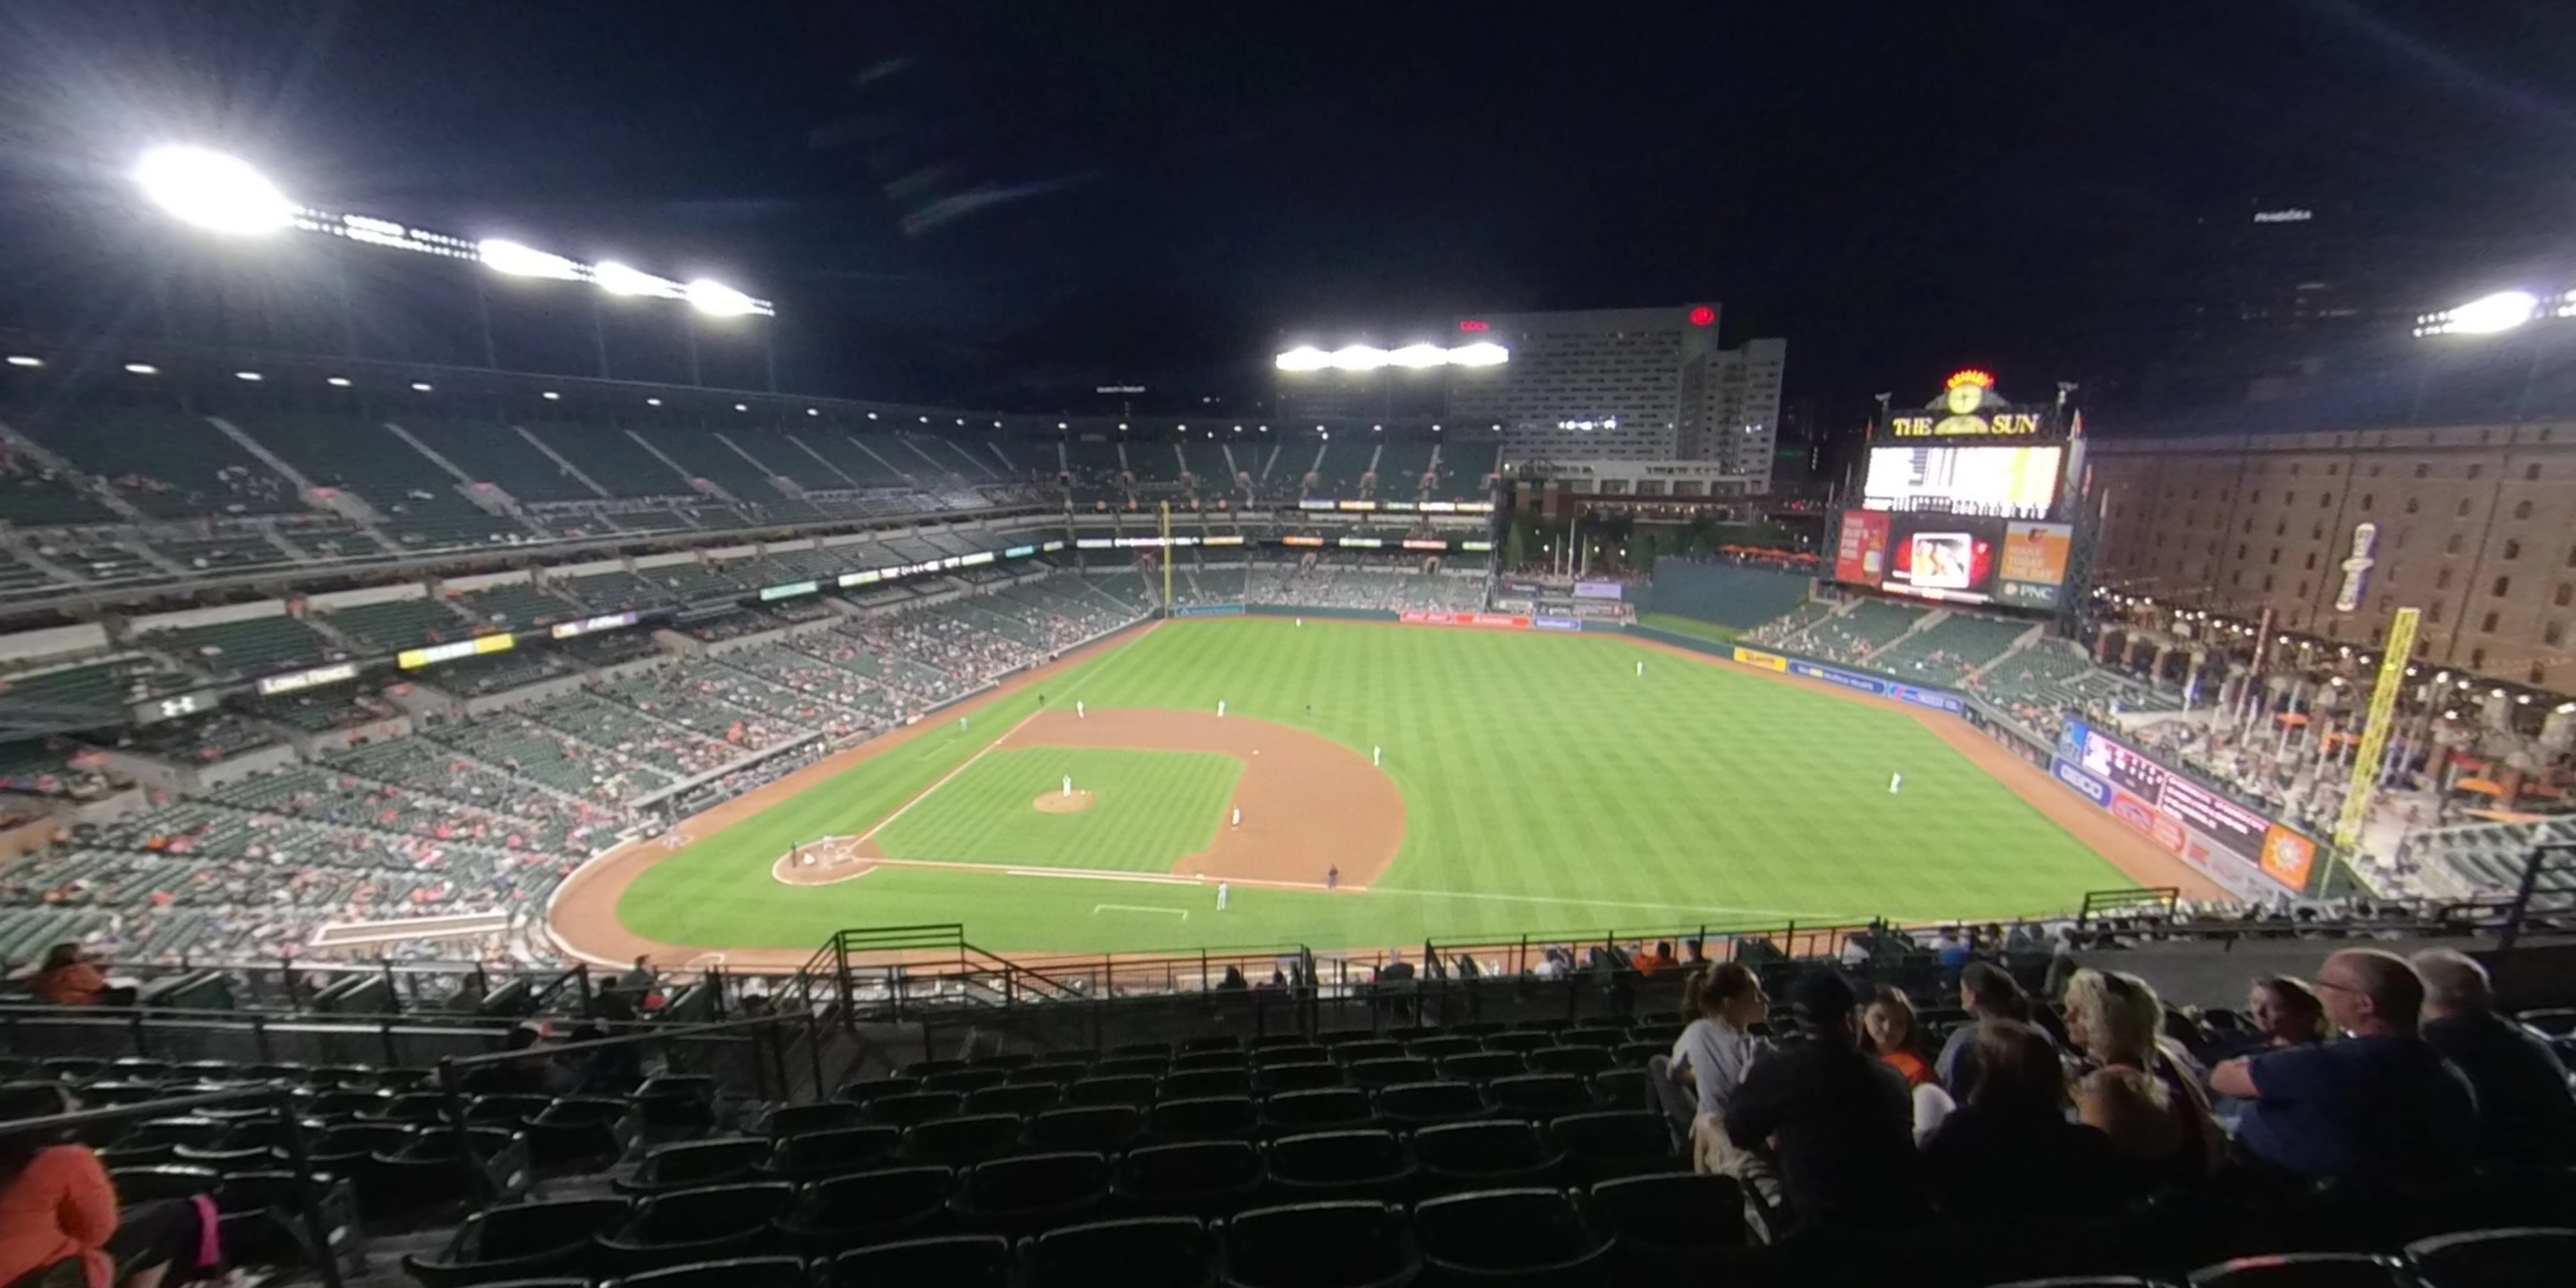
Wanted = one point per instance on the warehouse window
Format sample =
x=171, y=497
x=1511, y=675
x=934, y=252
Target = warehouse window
x=2487, y=624
x=2531, y=473
x=2554, y=633
x=2442, y=580
x=2477, y=657
x=2410, y=505
x=2502, y=585
x=2423, y=470
x=2476, y=470
x=2311, y=564
x=2452, y=546
x=2566, y=595
x=2512, y=550
x=2367, y=498
x=2463, y=510
x=2325, y=500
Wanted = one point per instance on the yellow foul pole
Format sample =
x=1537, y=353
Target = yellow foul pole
x=1167, y=558
x=2374, y=731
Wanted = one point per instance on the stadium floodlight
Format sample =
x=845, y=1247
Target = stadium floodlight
x=618, y=279
x=1358, y=357
x=254, y=377
x=25, y=360
x=715, y=299
x=336, y=382
x=742, y=406
x=1304, y=357
x=1419, y=355
x=420, y=386
x=652, y=402
x=813, y=411
x=551, y=396
x=2485, y=315
x=213, y=190
x=142, y=369
x=1481, y=354
x=510, y=257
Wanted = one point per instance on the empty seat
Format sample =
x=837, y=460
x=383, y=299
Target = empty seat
x=1318, y=1245
x=1025, y=1099
x=518, y=1241
x=1212, y=1042
x=1341, y=1164
x=690, y=1164
x=575, y=1132
x=1329, y=1107
x=1389, y=1071
x=1420, y=1104
x=1521, y=1237
x=1272, y=1079
x=867, y=1208
x=1293, y=1050
x=1605, y=1036
x=711, y=1223
x=1482, y=1066
x=1021, y=1196
x=1539, y=1095
x=1443, y=1046
x=965, y=1080
x=1621, y=1088
x=1131, y=1089
x=925, y=1068
x=1103, y=1129
x=870, y=1089
x=1581, y=1061
x=1140, y=1252
x=1053, y=1073
x=820, y=1115
x=1509, y=1152
x=1519, y=1041
x=735, y=1272
x=1206, y=1118
x=1672, y=1223
x=1132, y=1066
x=2517, y=1258
x=1002, y=1060
x=1356, y=1050
x=817, y=1154
x=957, y=1142
x=676, y=1102
x=908, y=1109
x=2304, y=1270
x=504, y=1110
x=1602, y=1146
x=963, y=1261
x=1208, y=1178
x=1194, y=1061
x=1233, y=1080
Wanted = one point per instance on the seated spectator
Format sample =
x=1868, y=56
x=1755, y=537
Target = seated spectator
x=56, y=1204
x=1708, y=1061
x=2379, y=1106
x=2521, y=1087
x=68, y=979
x=2286, y=1013
x=1893, y=1037
x=2009, y=1153
x=1836, y=1120
x=2138, y=1092
x=1987, y=992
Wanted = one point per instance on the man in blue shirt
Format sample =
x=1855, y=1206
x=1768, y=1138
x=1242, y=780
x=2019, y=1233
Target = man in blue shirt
x=2379, y=1106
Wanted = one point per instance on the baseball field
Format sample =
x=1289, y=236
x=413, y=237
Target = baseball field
x=1393, y=783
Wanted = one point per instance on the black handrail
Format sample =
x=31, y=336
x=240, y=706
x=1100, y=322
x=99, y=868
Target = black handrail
x=279, y=1096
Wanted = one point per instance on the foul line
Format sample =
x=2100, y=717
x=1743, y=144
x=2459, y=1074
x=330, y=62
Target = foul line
x=1097, y=908
x=1621, y=903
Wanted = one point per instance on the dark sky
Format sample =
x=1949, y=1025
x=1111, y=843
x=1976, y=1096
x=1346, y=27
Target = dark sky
x=997, y=203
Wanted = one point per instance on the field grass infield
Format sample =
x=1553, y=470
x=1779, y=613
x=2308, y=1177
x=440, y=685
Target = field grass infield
x=1547, y=786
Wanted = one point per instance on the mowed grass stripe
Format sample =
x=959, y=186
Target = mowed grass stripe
x=1150, y=810
x=1547, y=787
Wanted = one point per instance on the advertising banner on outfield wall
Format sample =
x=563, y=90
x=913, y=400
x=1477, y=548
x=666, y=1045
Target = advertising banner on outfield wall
x=2250, y=855
x=1767, y=661
x=1557, y=623
x=1498, y=621
x=1208, y=610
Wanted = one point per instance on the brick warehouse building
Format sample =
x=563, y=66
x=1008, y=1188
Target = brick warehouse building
x=2473, y=523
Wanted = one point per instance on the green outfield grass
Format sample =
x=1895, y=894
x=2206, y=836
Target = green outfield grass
x=1547, y=785
x=1150, y=810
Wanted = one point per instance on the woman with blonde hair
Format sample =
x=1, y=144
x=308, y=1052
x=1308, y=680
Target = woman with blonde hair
x=2138, y=1093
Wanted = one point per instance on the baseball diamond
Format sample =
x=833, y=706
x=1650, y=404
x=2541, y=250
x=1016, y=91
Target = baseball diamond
x=1529, y=783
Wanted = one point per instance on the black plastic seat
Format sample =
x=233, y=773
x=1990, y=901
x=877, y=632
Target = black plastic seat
x=1319, y=1110
x=1671, y=1223
x=503, y=1110
x=1608, y=1037
x=925, y=1068
x=1352, y=1051
x=2513, y=1258
x=1539, y=1095
x=957, y=1142
x=1002, y=1060
x=1220, y=1058
x=425, y=1176
x=1129, y=1089
x=204, y=1133
x=1192, y=1084
x=2304, y=1270
x=908, y=1109
x=1205, y=1178
x=1486, y=1154
x=1606, y=1145
x=1581, y=1061
x=575, y=1132
x=1132, y=1066
x=968, y=1081
x=676, y=1102
x=1104, y=1129
x=690, y=1164
x=345, y=1106
x=1140, y=1252
x=868, y=1208
x=1482, y=1066
x=1519, y=1041
x=1443, y=1046
x=710, y=1223
x=1421, y=1104
x=1025, y=1099
x=408, y=1107
x=1621, y=1088
x=1389, y=1071
x=819, y=1115
x=837, y=1152
x=1020, y=1196
x=866, y=1090
x=733, y=1272
x=1291, y=1050
x=1206, y=1118
x=225, y=1160
x=1342, y=1164
x=144, y=1184
x=518, y=1241
x=1054, y=1073
x=1158, y=1050
x=963, y=1261
x=1523, y=1238
x=1318, y=1245
x=1273, y=1079
x=1211, y=1043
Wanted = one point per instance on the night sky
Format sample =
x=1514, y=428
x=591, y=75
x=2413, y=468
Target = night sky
x=1002, y=204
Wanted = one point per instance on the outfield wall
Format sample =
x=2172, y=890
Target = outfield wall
x=2247, y=853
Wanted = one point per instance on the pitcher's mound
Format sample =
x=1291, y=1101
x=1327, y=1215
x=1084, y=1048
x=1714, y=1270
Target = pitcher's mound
x=1059, y=803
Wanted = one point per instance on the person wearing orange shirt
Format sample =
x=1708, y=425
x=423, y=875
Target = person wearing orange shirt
x=57, y=1205
x=1892, y=1038
x=67, y=978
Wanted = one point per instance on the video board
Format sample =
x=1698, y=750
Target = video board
x=1959, y=558
x=1980, y=480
